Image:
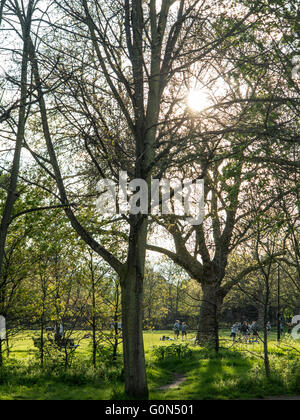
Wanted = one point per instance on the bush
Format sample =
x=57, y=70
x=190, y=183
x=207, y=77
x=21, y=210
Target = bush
x=178, y=351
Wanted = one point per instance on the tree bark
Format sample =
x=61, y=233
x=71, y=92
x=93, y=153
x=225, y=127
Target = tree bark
x=2, y=4
x=12, y=189
x=208, y=328
x=94, y=321
x=133, y=347
x=42, y=353
x=261, y=314
x=297, y=306
x=132, y=315
x=1, y=355
x=266, y=350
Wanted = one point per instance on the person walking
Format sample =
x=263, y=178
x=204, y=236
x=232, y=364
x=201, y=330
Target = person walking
x=184, y=330
x=176, y=329
x=234, y=331
x=245, y=331
x=254, y=329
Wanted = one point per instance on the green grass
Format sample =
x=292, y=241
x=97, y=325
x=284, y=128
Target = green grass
x=237, y=372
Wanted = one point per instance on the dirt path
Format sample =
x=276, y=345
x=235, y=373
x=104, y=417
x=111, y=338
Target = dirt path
x=178, y=379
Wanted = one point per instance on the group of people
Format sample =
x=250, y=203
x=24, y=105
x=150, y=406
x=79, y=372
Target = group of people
x=180, y=327
x=246, y=331
x=243, y=331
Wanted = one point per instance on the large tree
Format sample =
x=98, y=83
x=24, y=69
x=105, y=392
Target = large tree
x=22, y=109
x=126, y=68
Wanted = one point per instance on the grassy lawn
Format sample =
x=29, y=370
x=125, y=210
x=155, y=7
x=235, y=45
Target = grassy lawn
x=237, y=372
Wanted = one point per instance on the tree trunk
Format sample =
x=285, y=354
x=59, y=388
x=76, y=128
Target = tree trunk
x=133, y=347
x=132, y=314
x=208, y=328
x=94, y=321
x=115, y=347
x=13, y=182
x=116, y=329
x=261, y=314
x=266, y=350
x=266, y=311
x=1, y=355
x=42, y=343
x=43, y=324
x=266, y=353
x=297, y=306
x=7, y=346
x=94, y=343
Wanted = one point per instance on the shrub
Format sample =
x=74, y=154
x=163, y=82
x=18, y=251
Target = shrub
x=178, y=351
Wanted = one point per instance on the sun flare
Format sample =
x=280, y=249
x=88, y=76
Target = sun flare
x=198, y=100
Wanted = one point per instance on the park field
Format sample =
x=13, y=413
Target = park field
x=176, y=371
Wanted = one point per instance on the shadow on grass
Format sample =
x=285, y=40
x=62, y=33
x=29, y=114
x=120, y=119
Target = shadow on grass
x=20, y=382
x=227, y=375
x=231, y=374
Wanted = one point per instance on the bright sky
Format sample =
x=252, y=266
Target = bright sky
x=198, y=100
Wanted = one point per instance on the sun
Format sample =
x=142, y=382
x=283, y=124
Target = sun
x=198, y=100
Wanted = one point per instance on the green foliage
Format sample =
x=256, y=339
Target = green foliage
x=177, y=351
x=234, y=373
x=104, y=353
x=55, y=358
x=81, y=382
